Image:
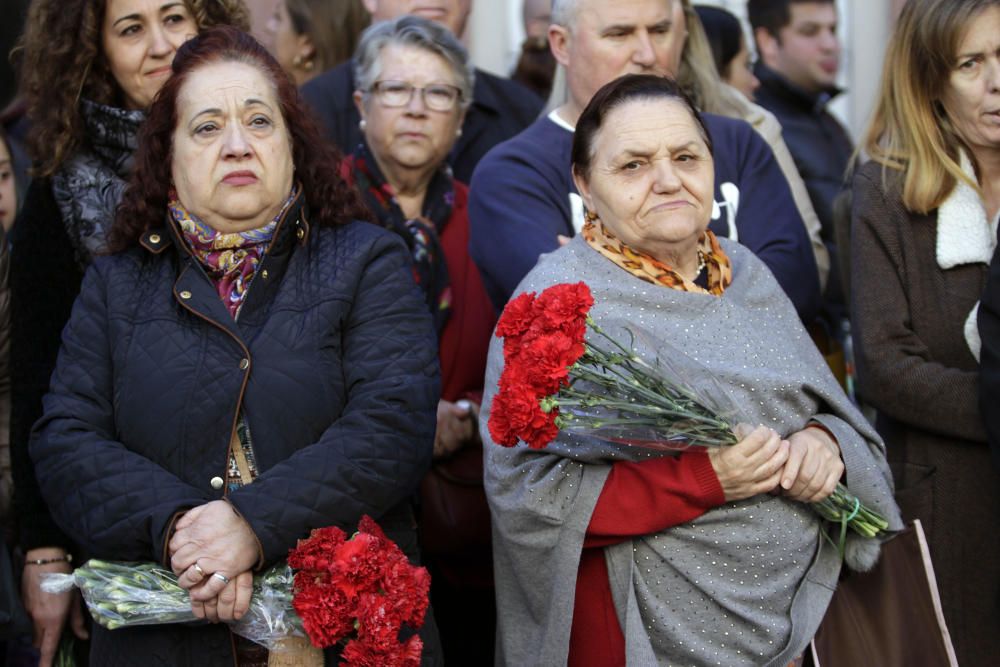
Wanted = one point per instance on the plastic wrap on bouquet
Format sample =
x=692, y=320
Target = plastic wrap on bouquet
x=121, y=595
x=557, y=378
x=618, y=396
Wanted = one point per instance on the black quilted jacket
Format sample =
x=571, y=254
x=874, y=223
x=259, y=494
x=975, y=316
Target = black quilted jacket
x=333, y=361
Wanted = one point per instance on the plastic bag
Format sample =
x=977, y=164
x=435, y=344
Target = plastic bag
x=121, y=595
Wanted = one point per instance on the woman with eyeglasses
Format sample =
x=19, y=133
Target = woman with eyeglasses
x=414, y=84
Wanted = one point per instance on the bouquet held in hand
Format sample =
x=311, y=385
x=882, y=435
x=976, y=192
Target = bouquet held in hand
x=554, y=379
x=359, y=591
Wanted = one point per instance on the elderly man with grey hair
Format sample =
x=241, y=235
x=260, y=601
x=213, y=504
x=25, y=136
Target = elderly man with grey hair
x=498, y=110
x=522, y=196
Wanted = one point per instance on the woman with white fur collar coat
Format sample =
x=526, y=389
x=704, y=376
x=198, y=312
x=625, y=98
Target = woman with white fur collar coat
x=924, y=229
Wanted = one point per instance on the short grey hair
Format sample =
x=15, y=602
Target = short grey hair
x=564, y=12
x=417, y=32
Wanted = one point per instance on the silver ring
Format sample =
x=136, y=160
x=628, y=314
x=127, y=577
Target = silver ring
x=197, y=568
x=221, y=577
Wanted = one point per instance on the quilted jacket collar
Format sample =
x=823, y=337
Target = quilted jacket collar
x=194, y=290
x=294, y=225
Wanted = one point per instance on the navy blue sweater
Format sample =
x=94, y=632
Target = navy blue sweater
x=522, y=197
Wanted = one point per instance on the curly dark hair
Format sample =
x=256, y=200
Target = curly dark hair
x=331, y=200
x=63, y=60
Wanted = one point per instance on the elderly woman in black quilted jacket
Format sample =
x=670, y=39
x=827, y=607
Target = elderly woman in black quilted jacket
x=248, y=329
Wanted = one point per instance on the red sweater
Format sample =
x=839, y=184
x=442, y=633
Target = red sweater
x=637, y=499
x=465, y=341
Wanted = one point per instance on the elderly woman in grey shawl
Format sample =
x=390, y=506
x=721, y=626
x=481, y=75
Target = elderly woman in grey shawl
x=610, y=554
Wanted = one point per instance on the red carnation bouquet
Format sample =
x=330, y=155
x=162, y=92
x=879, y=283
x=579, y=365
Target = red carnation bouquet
x=554, y=379
x=361, y=591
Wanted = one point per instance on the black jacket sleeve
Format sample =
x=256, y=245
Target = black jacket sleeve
x=44, y=280
x=113, y=501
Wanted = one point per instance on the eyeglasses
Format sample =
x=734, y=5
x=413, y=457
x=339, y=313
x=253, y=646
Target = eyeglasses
x=437, y=96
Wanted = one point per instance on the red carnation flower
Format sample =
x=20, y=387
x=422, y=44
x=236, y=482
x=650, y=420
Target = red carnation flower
x=564, y=305
x=365, y=588
x=517, y=316
x=550, y=357
x=359, y=653
x=323, y=610
x=501, y=429
x=316, y=552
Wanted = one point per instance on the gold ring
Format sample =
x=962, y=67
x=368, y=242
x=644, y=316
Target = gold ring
x=197, y=568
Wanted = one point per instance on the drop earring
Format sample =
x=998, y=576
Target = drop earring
x=303, y=63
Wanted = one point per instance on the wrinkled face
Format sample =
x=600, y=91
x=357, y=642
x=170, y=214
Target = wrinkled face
x=972, y=95
x=807, y=51
x=451, y=13
x=610, y=39
x=8, y=189
x=413, y=136
x=139, y=39
x=651, y=176
x=232, y=159
x=740, y=74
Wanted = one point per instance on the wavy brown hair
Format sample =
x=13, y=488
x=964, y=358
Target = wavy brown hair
x=144, y=205
x=63, y=61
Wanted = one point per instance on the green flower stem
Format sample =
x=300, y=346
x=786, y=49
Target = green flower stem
x=637, y=397
x=122, y=595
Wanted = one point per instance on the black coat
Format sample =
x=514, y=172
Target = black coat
x=989, y=368
x=500, y=109
x=819, y=144
x=333, y=363
x=44, y=280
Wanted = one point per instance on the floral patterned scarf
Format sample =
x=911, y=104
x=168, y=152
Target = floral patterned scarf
x=231, y=259
x=422, y=234
x=646, y=267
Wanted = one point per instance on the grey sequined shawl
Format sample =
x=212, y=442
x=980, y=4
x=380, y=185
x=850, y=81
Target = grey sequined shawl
x=748, y=582
x=88, y=186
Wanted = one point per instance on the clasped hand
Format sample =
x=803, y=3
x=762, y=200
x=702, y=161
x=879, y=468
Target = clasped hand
x=806, y=466
x=457, y=425
x=212, y=552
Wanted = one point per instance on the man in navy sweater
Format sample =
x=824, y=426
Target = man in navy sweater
x=500, y=107
x=522, y=197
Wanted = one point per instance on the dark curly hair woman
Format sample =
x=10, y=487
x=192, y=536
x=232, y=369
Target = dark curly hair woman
x=90, y=69
x=254, y=362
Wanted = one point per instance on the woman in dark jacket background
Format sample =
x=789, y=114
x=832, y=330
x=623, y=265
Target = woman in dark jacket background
x=251, y=365
x=89, y=70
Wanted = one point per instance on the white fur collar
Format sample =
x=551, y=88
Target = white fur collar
x=964, y=235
